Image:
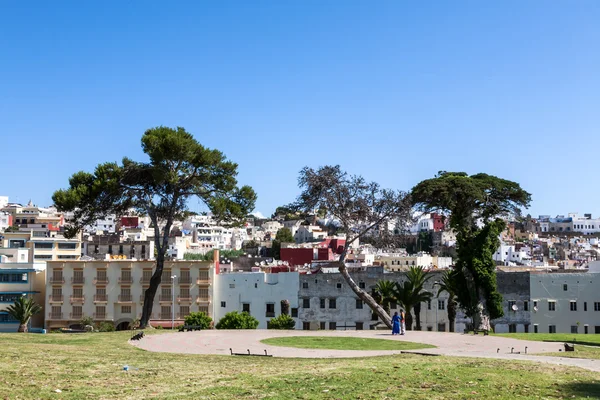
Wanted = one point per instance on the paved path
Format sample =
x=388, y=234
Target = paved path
x=449, y=344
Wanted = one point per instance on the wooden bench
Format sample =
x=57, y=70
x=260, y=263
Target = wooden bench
x=190, y=328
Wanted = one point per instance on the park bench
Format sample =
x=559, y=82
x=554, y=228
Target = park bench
x=569, y=347
x=138, y=336
x=484, y=331
x=190, y=328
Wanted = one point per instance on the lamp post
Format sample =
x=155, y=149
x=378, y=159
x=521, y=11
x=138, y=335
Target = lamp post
x=173, y=302
x=436, y=283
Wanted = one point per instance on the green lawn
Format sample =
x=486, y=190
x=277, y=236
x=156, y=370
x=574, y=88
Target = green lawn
x=590, y=340
x=343, y=343
x=592, y=352
x=34, y=366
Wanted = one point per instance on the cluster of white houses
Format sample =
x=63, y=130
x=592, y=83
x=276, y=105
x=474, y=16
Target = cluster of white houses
x=113, y=290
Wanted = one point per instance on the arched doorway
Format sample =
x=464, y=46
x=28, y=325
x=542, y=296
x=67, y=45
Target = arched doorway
x=123, y=325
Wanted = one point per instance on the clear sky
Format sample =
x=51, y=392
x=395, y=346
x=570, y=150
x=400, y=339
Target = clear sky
x=395, y=91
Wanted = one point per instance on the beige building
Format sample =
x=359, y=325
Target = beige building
x=45, y=246
x=399, y=262
x=114, y=291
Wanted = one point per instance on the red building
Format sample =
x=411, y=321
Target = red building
x=297, y=256
x=438, y=222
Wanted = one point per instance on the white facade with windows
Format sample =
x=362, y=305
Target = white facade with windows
x=258, y=293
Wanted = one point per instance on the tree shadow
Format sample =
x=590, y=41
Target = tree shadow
x=581, y=389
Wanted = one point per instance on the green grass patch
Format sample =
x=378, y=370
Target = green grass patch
x=588, y=340
x=591, y=352
x=343, y=343
x=33, y=366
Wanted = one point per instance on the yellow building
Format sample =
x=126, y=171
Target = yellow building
x=44, y=245
x=113, y=290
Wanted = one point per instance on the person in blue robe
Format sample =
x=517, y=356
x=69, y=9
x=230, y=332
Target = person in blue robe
x=395, y=324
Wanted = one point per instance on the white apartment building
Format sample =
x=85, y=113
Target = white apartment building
x=585, y=224
x=5, y=220
x=309, y=233
x=114, y=291
x=107, y=224
x=507, y=254
x=258, y=293
x=401, y=262
x=44, y=245
x=3, y=201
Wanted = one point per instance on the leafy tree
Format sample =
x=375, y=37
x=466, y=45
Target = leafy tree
x=384, y=294
x=358, y=205
x=403, y=294
x=236, y=320
x=179, y=168
x=284, y=235
x=198, y=319
x=22, y=310
x=285, y=307
x=250, y=244
x=417, y=278
x=106, y=326
x=446, y=284
x=283, y=321
x=475, y=204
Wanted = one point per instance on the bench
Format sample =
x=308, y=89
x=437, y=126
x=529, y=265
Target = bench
x=138, y=336
x=569, y=347
x=484, y=331
x=190, y=328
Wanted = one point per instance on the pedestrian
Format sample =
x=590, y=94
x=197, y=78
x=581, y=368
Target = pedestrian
x=395, y=324
x=403, y=322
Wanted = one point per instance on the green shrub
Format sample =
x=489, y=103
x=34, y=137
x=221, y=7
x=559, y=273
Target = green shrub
x=198, y=319
x=86, y=321
x=283, y=321
x=158, y=327
x=106, y=327
x=236, y=320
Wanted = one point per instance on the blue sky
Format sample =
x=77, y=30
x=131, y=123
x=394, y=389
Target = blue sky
x=395, y=91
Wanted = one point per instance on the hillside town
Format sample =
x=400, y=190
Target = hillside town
x=548, y=270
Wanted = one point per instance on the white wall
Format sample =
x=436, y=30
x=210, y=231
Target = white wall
x=256, y=289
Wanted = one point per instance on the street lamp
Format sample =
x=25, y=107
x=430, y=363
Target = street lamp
x=437, y=327
x=173, y=302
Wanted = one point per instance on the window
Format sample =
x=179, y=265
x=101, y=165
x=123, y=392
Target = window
x=77, y=312
x=441, y=305
x=359, y=326
x=66, y=257
x=374, y=317
x=232, y=286
x=585, y=329
x=585, y=306
x=15, y=278
x=441, y=327
x=9, y=298
x=270, y=310
x=573, y=305
x=429, y=304
x=67, y=246
x=551, y=305
x=574, y=329
x=332, y=326
x=361, y=285
x=44, y=245
x=525, y=306
x=512, y=328
x=294, y=312
x=339, y=285
x=597, y=306
x=183, y=311
x=526, y=328
x=565, y=287
x=393, y=305
x=359, y=304
x=534, y=304
x=322, y=303
x=535, y=328
x=125, y=309
x=511, y=303
x=551, y=328
x=305, y=303
x=322, y=325
x=223, y=304
x=246, y=307
x=304, y=285
x=332, y=303
x=306, y=326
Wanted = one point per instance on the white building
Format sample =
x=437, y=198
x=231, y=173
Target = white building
x=507, y=254
x=3, y=201
x=5, y=220
x=258, y=293
x=309, y=233
x=271, y=227
x=586, y=224
x=107, y=224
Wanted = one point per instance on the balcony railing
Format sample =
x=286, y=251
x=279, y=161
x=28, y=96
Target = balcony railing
x=76, y=316
x=56, y=298
x=100, y=316
x=203, y=299
x=57, y=279
x=102, y=280
x=184, y=299
x=128, y=280
x=145, y=280
x=55, y=315
x=125, y=298
x=270, y=314
x=166, y=297
x=164, y=316
x=78, y=298
x=202, y=281
x=100, y=298
x=185, y=280
x=80, y=280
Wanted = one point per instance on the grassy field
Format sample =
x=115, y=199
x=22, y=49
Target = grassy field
x=91, y=366
x=590, y=340
x=343, y=343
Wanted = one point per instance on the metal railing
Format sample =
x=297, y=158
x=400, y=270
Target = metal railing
x=168, y=297
x=100, y=315
x=78, y=280
x=103, y=280
x=125, y=298
x=125, y=280
x=184, y=299
x=100, y=298
x=57, y=279
x=56, y=298
x=185, y=280
x=78, y=299
x=55, y=315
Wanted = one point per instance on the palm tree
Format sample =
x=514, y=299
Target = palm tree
x=384, y=293
x=446, y=284
x=411, y=294
x=23, y=309
x=404, y=296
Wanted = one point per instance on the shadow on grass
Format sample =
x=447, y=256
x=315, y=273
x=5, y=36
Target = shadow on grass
x=581, y=389
x=574, y=341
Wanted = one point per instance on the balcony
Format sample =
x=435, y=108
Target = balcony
x=56, y=279
x=101, y=280
x=184, y=299
x=100, y=298
x=185, y=280
x=55, y=315
x=165, y=297
x=56, y=298
x=145, y=280
x=125, y=298
x=202, y=299
x=79, y=298
x=202, y=281
x=76, y=316
x=100, y=316
x=127, y=280
x=80, y=280
x=165, y=316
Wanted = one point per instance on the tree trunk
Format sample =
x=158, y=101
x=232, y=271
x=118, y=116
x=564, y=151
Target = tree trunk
x=364, y=296
x=22, y=328
x=451, y=314
x=417, y=309
x=409, y=319
x=150, y=293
